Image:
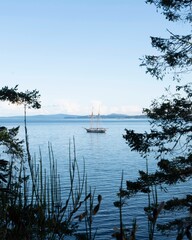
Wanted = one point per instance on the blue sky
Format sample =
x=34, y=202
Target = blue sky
x=81, y=54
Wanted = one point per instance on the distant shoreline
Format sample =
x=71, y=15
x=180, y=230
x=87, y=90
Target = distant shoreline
x=68, y=116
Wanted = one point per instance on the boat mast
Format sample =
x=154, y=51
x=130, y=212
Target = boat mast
x=98, y=118
x=91, y=121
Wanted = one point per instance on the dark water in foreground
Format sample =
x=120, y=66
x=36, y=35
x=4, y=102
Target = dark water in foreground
x=105, y=156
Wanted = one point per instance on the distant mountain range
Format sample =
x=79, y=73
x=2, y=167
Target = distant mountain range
x=68, y=116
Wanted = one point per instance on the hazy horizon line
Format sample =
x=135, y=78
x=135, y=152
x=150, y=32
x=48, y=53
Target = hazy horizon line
x=75, y=115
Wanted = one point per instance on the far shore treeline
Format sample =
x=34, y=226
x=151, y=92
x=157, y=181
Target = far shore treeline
x=69, y=116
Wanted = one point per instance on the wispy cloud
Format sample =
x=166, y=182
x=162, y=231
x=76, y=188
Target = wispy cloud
x=8, y=109
x=105, y=109
x=63, y=106
x=67, y=106
x=126, y=109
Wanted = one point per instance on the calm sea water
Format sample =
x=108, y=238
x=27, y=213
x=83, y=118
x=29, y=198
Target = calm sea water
x=105, y=156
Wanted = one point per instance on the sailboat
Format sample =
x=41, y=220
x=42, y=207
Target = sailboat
x=96, y=129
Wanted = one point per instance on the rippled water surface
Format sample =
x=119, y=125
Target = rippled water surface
x=105, y=156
